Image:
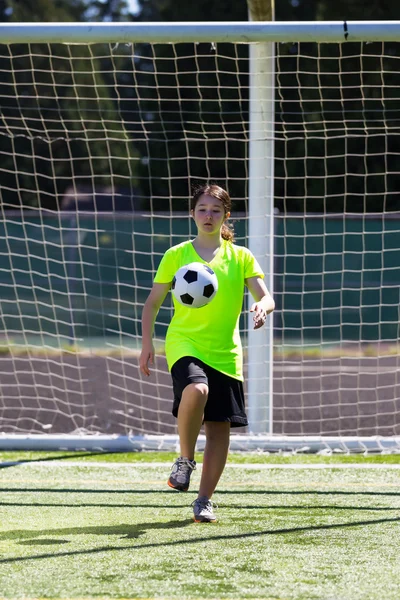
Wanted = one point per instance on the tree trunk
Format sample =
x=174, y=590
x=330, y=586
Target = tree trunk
x=261, y=10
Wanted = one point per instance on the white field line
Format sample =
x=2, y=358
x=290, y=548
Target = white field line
x=248, y=467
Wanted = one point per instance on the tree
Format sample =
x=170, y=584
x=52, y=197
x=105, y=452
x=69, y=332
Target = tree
x=107, y=118
x=333, y=171
x=61, y=118
x=22, y=11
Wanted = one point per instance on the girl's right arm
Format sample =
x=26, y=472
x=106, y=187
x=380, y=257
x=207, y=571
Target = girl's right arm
x=149, y=314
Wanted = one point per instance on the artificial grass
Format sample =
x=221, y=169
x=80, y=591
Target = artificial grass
x=169, y=457
x=87, y=531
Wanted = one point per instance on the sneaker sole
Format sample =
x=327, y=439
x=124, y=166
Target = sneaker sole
x=178, y=489
x=205, y=520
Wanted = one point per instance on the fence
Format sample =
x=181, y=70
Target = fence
x=75, y=276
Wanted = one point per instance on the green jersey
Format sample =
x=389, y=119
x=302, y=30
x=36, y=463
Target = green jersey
x=210, y=333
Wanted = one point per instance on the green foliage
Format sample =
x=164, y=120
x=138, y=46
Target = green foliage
x=178, y=130
x=20, y=11
x=375, y=10
x=107, y=10
x=316, y=183
x=61, y=112
x=72, y=133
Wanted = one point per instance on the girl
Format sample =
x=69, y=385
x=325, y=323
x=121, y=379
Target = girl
x=203, y=346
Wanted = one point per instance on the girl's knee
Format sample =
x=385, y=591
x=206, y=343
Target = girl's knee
x=197, y=389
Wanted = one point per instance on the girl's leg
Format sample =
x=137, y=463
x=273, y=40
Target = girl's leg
x=190, y=417
x=215, y=455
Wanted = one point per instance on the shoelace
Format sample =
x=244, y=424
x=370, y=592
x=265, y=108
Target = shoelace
x=204, y=502
x=182, y=465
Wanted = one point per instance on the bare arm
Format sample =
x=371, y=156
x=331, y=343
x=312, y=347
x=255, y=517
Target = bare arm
x=150, y=311
x=264, y=303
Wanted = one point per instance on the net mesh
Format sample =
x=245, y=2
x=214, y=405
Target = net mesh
x=100, y=148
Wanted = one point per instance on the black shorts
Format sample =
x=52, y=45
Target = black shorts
x=225, y=401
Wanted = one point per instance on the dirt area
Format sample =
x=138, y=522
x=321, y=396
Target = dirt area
x=70, y=392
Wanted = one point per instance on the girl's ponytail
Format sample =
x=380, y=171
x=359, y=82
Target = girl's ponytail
x=227, y=232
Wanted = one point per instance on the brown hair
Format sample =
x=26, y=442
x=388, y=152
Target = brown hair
x=219, y=193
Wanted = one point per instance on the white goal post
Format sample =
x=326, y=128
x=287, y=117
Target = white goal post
x=104, y=130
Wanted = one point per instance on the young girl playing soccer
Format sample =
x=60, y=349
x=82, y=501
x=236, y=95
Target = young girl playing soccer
x=203, y=346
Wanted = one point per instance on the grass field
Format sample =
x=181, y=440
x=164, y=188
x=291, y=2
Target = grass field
x=107, y=526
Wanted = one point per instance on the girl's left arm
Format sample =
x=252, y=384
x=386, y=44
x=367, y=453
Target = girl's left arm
x=264, y=303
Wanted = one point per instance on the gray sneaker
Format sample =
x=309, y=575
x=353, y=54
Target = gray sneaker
x=203, y=510
x=180, y=474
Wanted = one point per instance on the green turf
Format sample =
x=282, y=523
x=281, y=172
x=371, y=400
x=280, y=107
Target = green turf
x=236, y=457
x=117, y=531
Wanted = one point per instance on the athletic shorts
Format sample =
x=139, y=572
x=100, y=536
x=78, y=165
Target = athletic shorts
x=225, y=401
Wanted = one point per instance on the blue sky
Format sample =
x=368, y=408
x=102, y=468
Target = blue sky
x=133, y=6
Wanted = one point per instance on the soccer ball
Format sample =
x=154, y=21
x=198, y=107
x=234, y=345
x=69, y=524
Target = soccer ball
x=194, y=285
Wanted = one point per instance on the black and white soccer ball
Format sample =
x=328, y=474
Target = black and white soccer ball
x=195, y=285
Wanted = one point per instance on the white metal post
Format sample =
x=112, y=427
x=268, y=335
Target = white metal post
x=261, y=228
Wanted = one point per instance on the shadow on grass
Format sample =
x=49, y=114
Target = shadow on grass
x=123, y=531
x=134, y=531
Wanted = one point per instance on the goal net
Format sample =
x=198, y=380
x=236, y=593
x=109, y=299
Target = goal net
x=101, y=144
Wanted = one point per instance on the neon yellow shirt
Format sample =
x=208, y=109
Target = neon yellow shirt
x=210, y=333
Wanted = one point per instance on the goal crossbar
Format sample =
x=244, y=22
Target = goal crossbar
x=245, y=32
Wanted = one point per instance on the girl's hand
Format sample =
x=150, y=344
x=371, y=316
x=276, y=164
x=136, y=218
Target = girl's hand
x=146, y=357
x=260, y=315
x=264, y=304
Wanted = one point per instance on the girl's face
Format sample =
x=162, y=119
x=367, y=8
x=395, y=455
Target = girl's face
x=209, y=214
